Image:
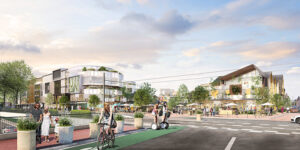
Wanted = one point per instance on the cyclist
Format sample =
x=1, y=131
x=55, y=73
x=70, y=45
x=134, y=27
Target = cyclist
x=164, y=110
x=106, y=118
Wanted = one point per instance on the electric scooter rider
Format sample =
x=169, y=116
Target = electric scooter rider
x=165, y=110
x=155, y=113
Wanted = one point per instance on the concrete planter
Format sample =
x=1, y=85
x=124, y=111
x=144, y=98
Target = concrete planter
x=198, y=117
x=94, y=130
x=26, y=140
x=138, y=123
x=120, y=126
x=65, y=134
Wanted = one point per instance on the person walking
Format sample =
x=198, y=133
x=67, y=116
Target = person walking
x=214, y=111
x=282, y=109
x=46, y=124
x=211, y=111
x=37, y=114
x=204, y=111
x=271, y=111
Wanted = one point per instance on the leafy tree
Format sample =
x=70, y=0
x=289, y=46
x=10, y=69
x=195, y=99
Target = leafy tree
x=94, y=100
x=102, y=68
x=200, y=94
x=64, y=100
x=84, y=69
x=182, y=93
x=49, y=99
x=142, y=97
x=173, y=102
x=261, y=94
x=150, y=90
x=127, y=94
x=5, y=80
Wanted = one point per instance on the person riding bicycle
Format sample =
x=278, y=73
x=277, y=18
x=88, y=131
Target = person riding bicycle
x=164, y=110
x=106, y=118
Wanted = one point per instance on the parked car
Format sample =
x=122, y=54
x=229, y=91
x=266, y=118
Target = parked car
x=296, y=119
x=9, y=129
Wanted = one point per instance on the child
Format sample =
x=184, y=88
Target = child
x=56, y=130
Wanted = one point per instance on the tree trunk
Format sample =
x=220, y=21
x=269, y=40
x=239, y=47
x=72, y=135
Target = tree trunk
x=4, y=97
x=16, y=97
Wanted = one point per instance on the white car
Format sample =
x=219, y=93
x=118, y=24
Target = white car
x=296, y=119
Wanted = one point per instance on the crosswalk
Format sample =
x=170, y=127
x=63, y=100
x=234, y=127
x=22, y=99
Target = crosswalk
x=279, y=129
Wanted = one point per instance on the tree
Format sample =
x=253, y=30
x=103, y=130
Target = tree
x=64, y=100
x=200, y=94
x=49, y=99
x=84, y=69
x=182, y=93
x=150, y=90
x=5, y=80
x=126, y=93
x=102, y=68
x=261, y=94
x=142, y=97
x=94, y=100
x=173, y=102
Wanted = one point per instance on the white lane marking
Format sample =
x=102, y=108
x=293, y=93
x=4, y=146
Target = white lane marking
x=295, y=132
x=229, y=122
x=246, y=129
x=297, y=129
x=125, y=116
x=264, y=124
x=193, y=126
x=237, y=125
x=277, y=128
x=256, y=126
x=282, y=133
x=213, y=128
x=270, y=131
x=255, y=131
x=246, y=123
x=220, y=124
x=232, y=129
x=229, y=145
x=283, y=125
x=204, y=123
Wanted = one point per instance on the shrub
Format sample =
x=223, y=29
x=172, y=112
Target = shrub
x=65, y=122
x=138, y=115
x=26, y=124
x=199, y=112
x=119, y=117
x=95, y=119
x=78, y=112
x=53, y=112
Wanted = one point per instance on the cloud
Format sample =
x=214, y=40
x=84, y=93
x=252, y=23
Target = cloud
x=137, y=66
x=122, y=65
x=294, y=70
x=171, y=23
x=191, y=52
x=27, y=47
x=270, y=51
x=284, y=21
x=263, y=64
x=129, y=1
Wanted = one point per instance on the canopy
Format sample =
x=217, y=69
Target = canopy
x=180, y=105
x=267, y=104
x=231, y=104
x=193, y=104
x=126, y=105
x=151, y=105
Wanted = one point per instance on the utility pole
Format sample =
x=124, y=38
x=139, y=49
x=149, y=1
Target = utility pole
x=103, y=89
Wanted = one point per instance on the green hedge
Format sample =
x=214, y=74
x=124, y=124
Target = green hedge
x=77, y=112
x=138, y=115
x=64, y=122
x=26, y=124
x=95, y=119
x=119, y=117
x=54, y=112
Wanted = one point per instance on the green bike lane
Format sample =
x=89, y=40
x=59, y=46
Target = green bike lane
x=128, y=140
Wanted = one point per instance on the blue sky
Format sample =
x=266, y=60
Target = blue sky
x=150, y=38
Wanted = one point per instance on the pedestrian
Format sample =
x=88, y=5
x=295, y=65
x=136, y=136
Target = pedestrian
x=37, y=114
x=288, y=110
x=46, y=124
x=282, y=109
x=56, y=130
x=271, y=111
x=211, y=111
x=214, y=111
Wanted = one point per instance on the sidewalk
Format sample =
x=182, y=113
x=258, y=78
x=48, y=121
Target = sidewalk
x=77, y=135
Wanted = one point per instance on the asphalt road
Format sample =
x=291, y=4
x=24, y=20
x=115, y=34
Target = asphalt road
x=219, y=134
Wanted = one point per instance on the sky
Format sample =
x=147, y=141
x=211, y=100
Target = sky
x=154, y=38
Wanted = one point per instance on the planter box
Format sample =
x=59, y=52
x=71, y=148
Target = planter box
x=138, y=123
x=26, y=140
x=94, y=130
x=65, y=134
x=120, y=126
x=198, y=117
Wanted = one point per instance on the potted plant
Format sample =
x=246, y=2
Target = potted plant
x=138, y=120
x=198, y=116
x=65, y=130
x=26, y=134
x=94, y=128
x=120, y=123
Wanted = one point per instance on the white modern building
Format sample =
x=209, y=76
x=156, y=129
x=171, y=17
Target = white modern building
x=78, y=83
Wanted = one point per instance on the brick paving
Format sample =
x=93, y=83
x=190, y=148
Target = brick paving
x=11, y=144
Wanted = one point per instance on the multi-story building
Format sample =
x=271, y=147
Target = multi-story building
x=78, y=83
x=166, y=94
x=238, y=86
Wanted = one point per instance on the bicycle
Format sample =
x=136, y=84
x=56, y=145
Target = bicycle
x=104, y=139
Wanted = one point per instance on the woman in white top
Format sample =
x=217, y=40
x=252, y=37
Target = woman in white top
x=46, y=124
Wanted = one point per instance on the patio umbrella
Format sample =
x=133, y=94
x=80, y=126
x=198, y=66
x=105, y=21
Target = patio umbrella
x=126, y=105
x=180, y=105
x=231, y=104
x=151, y=105
x=267, y=104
